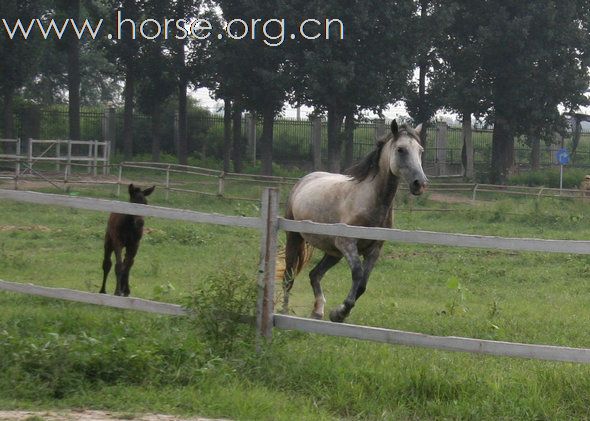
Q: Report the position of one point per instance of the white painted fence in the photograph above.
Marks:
(269, 224)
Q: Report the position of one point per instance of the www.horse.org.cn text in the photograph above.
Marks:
(272, 32)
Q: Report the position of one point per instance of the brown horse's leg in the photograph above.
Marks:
(347, 247)
(130, 252)
(106, 263)
(315, 277)
(118, 248)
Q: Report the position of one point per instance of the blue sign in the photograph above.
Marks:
(563, 156)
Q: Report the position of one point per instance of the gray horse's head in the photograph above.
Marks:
(405, 156)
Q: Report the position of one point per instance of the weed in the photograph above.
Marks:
(457, 298)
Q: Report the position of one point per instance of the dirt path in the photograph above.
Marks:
(89, 416)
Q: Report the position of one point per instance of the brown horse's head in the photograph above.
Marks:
(137, 195)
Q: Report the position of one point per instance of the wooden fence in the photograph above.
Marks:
(222, 179)
(269, 223)
(219, 182)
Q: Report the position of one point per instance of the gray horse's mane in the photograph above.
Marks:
(369, 165)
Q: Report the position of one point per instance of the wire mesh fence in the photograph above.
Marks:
(292, 138)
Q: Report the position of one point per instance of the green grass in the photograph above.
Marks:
(58, 355)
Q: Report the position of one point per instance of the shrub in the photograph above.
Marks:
(218, 309)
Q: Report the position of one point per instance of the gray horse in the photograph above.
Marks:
(363, 197)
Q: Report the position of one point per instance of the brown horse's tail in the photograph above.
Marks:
(293, 258)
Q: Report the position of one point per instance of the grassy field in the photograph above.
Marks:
(66, 355)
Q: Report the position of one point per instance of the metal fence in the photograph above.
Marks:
(292, 138)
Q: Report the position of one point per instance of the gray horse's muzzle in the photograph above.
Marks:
(417, 187)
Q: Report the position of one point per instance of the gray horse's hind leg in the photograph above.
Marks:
(315, 277)
(348, 248)
(360, 274)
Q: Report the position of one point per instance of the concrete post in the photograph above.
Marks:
(316, 142)
(441, 148)
(251, 133)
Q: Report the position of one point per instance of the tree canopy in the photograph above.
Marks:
(519, 65)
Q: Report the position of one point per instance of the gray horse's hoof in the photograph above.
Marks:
(316, 316)
(336, 316)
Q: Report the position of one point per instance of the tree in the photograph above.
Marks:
(251, 73)
(19, 56)
(156, 82)
(516, 62)
(70, 9)
(456, 77)
(366, 70)
(535, 56)
(421, 102)
(183, 71)
(124, 53)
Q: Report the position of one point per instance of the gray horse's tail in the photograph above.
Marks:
(294, 257)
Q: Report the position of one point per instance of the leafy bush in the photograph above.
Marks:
(219, 307)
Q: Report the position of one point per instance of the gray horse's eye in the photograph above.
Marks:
(401, 151)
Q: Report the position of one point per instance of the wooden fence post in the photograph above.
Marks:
(58, 155)
(168, 182)
(69, 162)
(17, 165)
(316, 142)
(119, 179)
(266, 271)
(221, 185)
(30, 154)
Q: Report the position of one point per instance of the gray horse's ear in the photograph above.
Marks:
(394, 128)
(418, 129)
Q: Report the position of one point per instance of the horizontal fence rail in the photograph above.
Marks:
(437, 238)
(126, 303)
(130, 208)
(445, 343)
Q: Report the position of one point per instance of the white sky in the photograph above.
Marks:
(394, 111)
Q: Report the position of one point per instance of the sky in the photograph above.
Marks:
(394, 111)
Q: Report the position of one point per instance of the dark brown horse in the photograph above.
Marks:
(363, 197)
(123, 232)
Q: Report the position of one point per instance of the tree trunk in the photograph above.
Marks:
(182, 123)
(334, 139)
(7, 113)
(74, 75)
(156, 118)
(502, 151)
(129, 95)
(227, 107)
(238, 141)
(468, 164)
(182, 107)
(266, 141)
(349, 139)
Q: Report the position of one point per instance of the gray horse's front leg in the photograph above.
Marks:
(348, 248)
